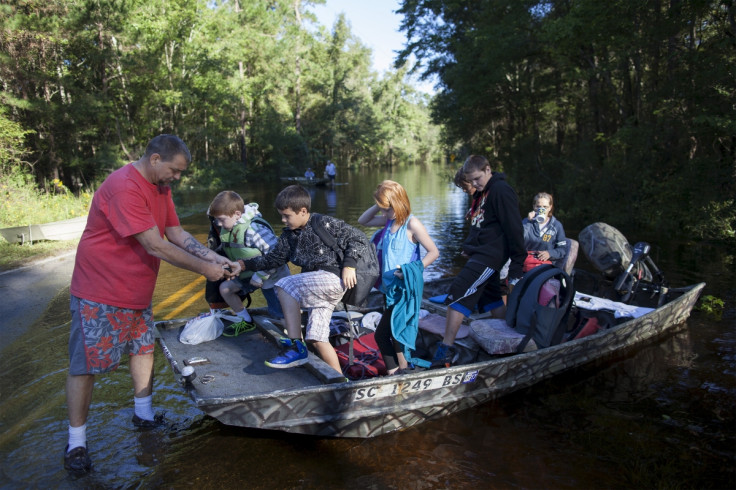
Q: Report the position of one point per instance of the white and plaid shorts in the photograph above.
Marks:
(318, 292)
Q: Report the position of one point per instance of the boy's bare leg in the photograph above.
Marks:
(452, 324)
(229, 292)
(292, 314)
(328, 354)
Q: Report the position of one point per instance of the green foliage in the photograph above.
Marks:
(221, 176)
(620, 108)
(21, 203)
(12, 150)
(714, 218)
(249, 85)
(711, 306)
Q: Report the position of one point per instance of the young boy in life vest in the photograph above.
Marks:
(244, 234)
(322, 282)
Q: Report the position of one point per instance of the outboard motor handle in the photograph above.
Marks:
(653, 267)
(641, 250)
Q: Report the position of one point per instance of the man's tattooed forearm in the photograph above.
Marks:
(195, 248)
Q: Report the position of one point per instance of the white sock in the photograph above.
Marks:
(244, 315)
(77, 436)
(144, 407)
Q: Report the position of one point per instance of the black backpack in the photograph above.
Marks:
(546, 324)
(367, 271)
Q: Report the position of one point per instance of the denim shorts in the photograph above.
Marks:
(100, 334)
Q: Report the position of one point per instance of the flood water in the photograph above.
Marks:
(659, 416)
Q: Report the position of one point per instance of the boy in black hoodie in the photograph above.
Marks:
(495, 235)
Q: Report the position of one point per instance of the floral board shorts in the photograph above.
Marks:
(100, 334)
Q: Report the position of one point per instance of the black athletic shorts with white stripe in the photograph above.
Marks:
(475, 286)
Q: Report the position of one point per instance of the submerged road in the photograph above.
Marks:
(27, 291)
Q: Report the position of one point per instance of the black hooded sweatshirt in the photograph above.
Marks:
(496, 233)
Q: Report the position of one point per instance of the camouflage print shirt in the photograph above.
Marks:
(306, 249)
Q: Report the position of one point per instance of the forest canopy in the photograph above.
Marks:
(253, 85)
(625, 110)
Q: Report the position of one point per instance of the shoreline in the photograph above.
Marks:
(15, 256)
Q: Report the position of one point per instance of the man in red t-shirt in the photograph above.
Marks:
(114, 276)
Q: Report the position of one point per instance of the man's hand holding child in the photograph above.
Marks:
(232, 270)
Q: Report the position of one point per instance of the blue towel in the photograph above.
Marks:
(406, 296)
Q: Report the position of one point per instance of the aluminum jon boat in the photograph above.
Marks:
(233, 385)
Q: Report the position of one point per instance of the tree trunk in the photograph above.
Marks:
(298, 71)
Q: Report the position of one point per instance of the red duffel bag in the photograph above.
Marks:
(367, 361)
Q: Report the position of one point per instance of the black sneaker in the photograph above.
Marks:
(235, 329)
(158, 421)
(400, 371)
(77, 460)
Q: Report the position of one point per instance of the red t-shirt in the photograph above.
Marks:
(111, 266)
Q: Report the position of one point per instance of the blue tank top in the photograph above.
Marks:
(396, 249)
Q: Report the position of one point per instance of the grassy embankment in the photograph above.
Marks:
(21, 203)
(24, 205)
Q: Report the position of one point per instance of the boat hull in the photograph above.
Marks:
(378, 406)
(317, 181)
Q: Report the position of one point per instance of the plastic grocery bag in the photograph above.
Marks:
(204, 327)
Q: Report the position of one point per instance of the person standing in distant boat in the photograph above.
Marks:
(330, 171)
(132, 225)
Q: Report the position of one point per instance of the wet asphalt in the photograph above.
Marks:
(26, 292)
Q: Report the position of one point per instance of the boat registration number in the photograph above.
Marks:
(411, 386)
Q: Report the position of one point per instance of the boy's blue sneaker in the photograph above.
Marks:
(444, 356)
(293, 353)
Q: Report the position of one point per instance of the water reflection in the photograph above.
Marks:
(331, 201)
(659, 417)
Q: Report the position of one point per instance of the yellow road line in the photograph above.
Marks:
(177, 295)
(184, 305)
